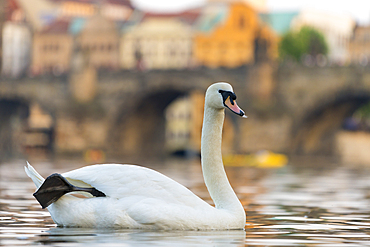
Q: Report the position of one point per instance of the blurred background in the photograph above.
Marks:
(101, 79)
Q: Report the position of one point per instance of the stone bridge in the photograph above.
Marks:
(295, 109)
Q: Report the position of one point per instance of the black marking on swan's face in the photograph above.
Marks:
(229, 98)
(225, 95)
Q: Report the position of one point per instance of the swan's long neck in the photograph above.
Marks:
(214, 174)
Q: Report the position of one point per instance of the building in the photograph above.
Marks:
(16, 39)
(337, 30)
(3, 5)
(266, 44)
(359, 46)
(178, 126)
(38, 136)
(39, 13)
(183, 128)
(16, 48)
(259, 5)
(52, 49)
(98, 40)
(76, 9)
(115, 10)
(229, 35)
(158, 42)
(280, 22)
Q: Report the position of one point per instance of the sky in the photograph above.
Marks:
(358, 9)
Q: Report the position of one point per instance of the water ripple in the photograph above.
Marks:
(289, 206)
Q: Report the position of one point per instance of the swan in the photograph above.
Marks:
(130, 196)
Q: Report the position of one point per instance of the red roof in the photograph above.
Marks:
(10, 7)
(57, 26)
(118, 2)
(188, 16)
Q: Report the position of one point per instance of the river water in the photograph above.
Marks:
(309, 202)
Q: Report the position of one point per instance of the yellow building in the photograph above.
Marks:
(178, 125)
(235, 38)
(359, 46)
(184, 119)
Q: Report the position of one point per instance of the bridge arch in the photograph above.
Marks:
(139, 128)
(314, 133)
(19, 135)
(13, 116)
(140, 123)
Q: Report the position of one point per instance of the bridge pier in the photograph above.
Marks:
(13, 116)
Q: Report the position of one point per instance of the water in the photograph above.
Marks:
(307, 203)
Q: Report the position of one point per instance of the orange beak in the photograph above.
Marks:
(233, 106)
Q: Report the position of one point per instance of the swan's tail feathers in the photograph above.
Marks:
(34, 175)
(55, 186)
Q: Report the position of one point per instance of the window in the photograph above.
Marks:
(241, 22)
(223, 47)
(240, 46)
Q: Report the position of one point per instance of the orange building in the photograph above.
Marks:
(234, 41)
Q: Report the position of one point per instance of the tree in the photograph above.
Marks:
(307, 41)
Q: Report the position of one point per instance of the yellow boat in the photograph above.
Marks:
(262, 159)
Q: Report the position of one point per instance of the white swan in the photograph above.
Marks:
(129, 196)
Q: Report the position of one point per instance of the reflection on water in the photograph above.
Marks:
(315, 204)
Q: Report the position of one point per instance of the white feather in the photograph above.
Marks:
(34, 175)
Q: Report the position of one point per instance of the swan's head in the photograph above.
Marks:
(221, 95)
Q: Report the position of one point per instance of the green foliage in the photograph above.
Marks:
(363, 112)
(306, 41)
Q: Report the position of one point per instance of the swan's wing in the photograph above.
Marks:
(138, 183)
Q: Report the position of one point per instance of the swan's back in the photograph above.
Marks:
(124, 181)
(136, 197)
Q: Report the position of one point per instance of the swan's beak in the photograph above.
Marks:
(233, 106)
